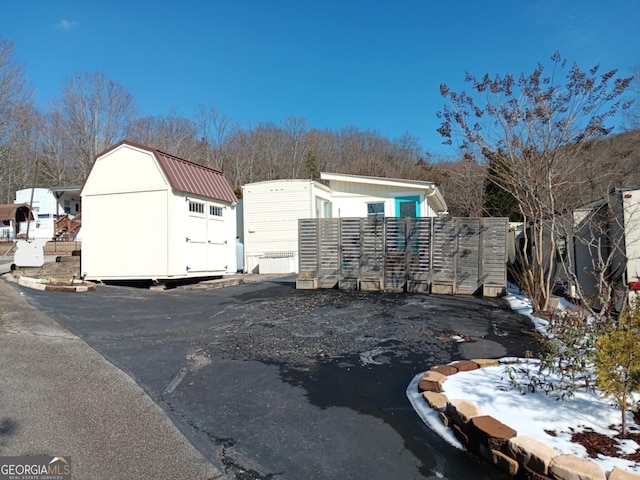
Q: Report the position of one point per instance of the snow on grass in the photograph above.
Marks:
(533, 414)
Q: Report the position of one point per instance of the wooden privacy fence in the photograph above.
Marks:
(437, 255)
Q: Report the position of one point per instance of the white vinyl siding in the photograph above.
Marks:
(271, 213)
(116, 254)
(352, 199)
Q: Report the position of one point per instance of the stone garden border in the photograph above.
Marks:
(522, 457)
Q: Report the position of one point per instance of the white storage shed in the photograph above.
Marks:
(151, 215)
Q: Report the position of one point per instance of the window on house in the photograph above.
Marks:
(196, 207)
(67, 206)
(375, 209)
(215, 211)
(323, 208)
(328, 210)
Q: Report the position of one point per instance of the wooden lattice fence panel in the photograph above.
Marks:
(444, 249)
(419, 246)
(467, 256)
(441, 255)
(494, 255)
(350, 252)
(372, 253)
(395, 276)
(329, 252)
(308, 248)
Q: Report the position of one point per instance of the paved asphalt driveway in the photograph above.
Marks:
(272, 382)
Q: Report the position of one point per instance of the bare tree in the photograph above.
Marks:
(632, 114)
(324, 146)
(171, 134)
(466, 188)
(461, 183)
(294, 130)
(535, 128)
(214, 130)
(57, 168)
(94, 112)
(240, 159)
(366, 152)
(16, 122)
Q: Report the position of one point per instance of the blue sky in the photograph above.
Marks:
(370, 64)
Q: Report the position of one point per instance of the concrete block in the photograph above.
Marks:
(462, 411)
(618, 474)
(435, 400)
(531, 452)
(445, 370)
(504, 463)
(431, 382)
(491, 432)
(486, 362)
(570, 467)
(465, 365)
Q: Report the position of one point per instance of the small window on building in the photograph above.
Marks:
(77, 207)
(196, 207)
(323, 208)
(215, 211)
(67, 207)
(375, 209)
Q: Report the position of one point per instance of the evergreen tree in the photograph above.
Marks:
(617, 360)
(311, 165)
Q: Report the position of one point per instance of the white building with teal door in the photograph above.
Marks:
(362, 196)
(271, 211)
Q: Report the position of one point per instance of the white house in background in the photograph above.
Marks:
(360, 196)
(272, 210)
(49, 204)
(12, 216)
(151, 215)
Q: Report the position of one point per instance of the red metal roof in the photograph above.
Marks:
(188, 177)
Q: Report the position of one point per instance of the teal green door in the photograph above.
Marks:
(408, 206)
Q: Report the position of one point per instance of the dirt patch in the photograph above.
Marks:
(596, 443)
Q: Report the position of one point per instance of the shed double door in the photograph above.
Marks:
(205, 252)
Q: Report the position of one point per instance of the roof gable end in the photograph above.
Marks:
(185, 176)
